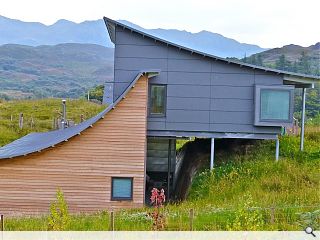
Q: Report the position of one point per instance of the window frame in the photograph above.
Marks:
(257, 106)
(156, 115)
(121, 198)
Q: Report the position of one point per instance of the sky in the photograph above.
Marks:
(269, 24)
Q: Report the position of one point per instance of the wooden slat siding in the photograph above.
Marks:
(83, 166)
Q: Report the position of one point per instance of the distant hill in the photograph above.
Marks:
(64, 70)
(63, 31)
(290, 58)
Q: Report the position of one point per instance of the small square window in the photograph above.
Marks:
(121, 188)
(273, 105)
(157, 102)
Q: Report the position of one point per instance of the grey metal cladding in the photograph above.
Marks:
(185, 126)
(190, 65)
(143, 51)
(136, 64)
(188, 78)
(226, 79)
(156, 125)
(231, 117)
(184, 103)
(127, 37)
(203, 94)
(232, 128)
(268, 79)
(188, 91)
(232, 92)
(224, 104)
(224, 67)
(191, 116)
(121, 27)
(175, 53)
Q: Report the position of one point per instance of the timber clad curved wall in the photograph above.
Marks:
(83, 166)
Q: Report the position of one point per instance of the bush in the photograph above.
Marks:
(247, 217)
(59, 219)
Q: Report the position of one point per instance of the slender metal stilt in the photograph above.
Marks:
(303, 113)
(277, 149)
(212, 154)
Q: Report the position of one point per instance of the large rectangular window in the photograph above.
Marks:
(273, 105)
(157, 102)
(121, 188)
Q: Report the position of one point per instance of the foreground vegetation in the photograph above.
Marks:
(244, 192)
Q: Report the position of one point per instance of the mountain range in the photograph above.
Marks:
(63, 70)
(14, 31)
(66, 59)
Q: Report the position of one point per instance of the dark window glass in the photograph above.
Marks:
(121, 188)
(158, 100)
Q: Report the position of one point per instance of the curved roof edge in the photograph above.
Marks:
(36, 142)
(111, 24)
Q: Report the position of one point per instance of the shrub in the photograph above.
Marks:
(59, 218)
(247, 216)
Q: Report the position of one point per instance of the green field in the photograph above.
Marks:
(42, 112)
(244, 192)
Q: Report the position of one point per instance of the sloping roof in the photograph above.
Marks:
(290, 76)
(35, 142)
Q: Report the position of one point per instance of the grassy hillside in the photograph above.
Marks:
(64, 70)
(243, 192)
(291, 57)
(42, 112)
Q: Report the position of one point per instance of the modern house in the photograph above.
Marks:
(161, 92)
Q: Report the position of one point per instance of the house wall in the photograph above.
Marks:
(203, 95)
(83, 166)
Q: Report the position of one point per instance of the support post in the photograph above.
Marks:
(169, 169)
(1, 223)
(21, 120)
(277, 149)
(191, 216)
(303, 113)
(111, 221)
(212, 154)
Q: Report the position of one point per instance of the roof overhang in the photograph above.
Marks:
(299, 81)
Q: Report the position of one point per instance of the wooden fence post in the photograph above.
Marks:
(191, 215)
(21, 120)
(1, 223)
(272, 215)
(32, 123)
(111, 221)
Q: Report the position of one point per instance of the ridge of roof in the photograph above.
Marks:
(110, 24)
(36, 142)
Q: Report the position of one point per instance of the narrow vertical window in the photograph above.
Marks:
(158, 94)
